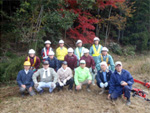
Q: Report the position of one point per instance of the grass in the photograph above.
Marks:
(80, 102)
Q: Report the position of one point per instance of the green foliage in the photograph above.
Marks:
(115, 48)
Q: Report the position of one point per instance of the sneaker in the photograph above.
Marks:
(41, 92)
(102, 91)
(22, 95)
(88, 89)
(128, 103)
(51, 90)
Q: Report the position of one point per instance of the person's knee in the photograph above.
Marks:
(126, 88)
(114, 95)
(71, 80)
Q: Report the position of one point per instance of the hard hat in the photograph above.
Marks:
(27, 63)
(31, 51)
(96, 39)
(82, 62)
(86, 51)
(64, 62)
(105, 49)
(47, 42)
(70, 50)
(51, 53)
(61, 42)
(79, 41)
(118, 63)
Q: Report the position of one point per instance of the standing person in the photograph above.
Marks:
(53, 62)
(65, 77)
(103, 77)
(95, 49)
(34, 60)
(107, 58)
(90, 64)
(82, 76)
(79, 51)
(48, 78)
(71, 59)
(24, 79)
(121, 82)
(46, 49)
(61, 52)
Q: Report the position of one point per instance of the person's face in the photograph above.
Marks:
(80, 44)
(31, 55)
(61, 45)
(118, 68)
(96, 42)
(45, 66)
(70, 53)
(82, 65)
(51, 56)
(64, 66)
(26, 67)
(104, 53)
(48, 45)
(103, 67)
(86, 54)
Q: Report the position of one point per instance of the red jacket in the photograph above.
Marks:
(71, 61)
(32, 60)
(89, 61)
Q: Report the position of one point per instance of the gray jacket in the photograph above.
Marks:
(51, 78)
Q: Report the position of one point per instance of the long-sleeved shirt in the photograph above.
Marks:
(82, 74)
(64, 74)
(53, 63)
(25, 79)
(35, 61)
(71, 61)
(115, 81)
(61, 53)
(89, 61)
(52, 77)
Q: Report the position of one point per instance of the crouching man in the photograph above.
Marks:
(82, 76)
(48, 78)
(103, 77)
(121, 82)
(24, 79)
(65, 77)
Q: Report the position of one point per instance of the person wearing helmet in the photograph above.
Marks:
(79, 51)
(95, 49)
(53, 62)
(34, 60)
(103, 77)
(46, 49)
(90, 64)
(61, 52)
(82, 76)
(107, 58)
(24, 79)
(71, 59)
(48, 78)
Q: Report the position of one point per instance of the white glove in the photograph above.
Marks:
(64, 82)
(61, 84)
(102, 85)
(106, 84)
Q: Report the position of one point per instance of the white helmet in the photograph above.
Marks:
(31, 51)
(105, 49)
(86, 51)
(96, 39)
(70, 50)
(61, 42)
(51, 53)
(47, 42)
(82, 62)
(79, 41)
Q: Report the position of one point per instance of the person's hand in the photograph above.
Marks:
(102, 85)
(108, 97)
(61, 84)
(64, 82)
(123, 83)
(78, 87)
(106, 84)
(30, 89)
(23, 86)
(93, 71)
(89, 82)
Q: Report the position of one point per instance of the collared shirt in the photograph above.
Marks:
(26, 71)
(104, 75)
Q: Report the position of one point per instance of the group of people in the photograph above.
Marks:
(80, 66)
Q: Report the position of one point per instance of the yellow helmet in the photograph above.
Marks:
(27, 63)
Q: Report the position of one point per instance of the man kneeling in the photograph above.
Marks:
(48, 78)
(82, 76)
(65, 76)
(103, 77)
(121, 82)
(24, 79)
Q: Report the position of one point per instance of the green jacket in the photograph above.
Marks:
(81, 75)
